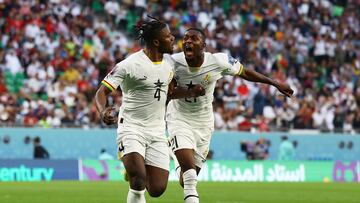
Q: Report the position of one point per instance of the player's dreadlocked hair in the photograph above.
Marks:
(149, 29)
(198, 30)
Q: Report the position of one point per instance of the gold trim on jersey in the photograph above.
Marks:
(171, 76)
(241, 70)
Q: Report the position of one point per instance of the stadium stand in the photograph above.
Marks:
(53, 54)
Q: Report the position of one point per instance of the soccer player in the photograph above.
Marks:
(144, 79)
(190, 121)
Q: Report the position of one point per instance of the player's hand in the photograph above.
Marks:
(198, 90)
(285, 89)
(109, 115)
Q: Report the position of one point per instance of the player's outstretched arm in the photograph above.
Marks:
(101, 101)
(254, 76)
(178, 92)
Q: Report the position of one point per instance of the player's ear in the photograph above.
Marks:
(204, 45)
(156, 42)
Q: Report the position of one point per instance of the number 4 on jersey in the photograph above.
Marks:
(158, 86)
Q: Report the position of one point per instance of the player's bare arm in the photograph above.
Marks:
(176, 92)
(101, 101)
(254, 76)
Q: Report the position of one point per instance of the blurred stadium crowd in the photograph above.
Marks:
(54, 53)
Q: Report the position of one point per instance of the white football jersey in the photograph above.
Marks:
(199, 111)
(144, 86)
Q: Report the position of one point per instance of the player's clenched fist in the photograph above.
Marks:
(109, 116)
(285, 89)
(197, 91)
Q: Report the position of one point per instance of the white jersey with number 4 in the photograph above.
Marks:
(198, 112)
(144, 86)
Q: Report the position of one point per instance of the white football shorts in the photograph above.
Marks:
(134, 139)
(184, 137)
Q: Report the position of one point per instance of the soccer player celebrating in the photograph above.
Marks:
(190, 121)
(144, 79)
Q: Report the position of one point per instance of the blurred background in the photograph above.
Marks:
(53, 54)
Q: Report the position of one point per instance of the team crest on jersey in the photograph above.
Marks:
(232, 60)
(206, 80)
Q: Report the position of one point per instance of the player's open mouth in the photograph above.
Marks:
(188, 50)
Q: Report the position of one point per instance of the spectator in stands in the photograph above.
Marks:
(356, 121)
(314, 45)
(39, 151)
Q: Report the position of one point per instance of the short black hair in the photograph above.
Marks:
(148, 30)
(198, 30)
(37, 139)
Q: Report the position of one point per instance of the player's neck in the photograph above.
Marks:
(196, 61)
(153, 54)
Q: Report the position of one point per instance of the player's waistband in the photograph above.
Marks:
(157, 125)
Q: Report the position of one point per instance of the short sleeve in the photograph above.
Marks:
(115, 77)
(228, 64)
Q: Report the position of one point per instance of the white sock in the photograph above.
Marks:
(190, 181)
(135, 196)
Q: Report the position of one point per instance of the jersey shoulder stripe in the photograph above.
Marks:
(107, 84)
(241, 70)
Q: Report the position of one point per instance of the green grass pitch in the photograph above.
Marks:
(115, 192)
